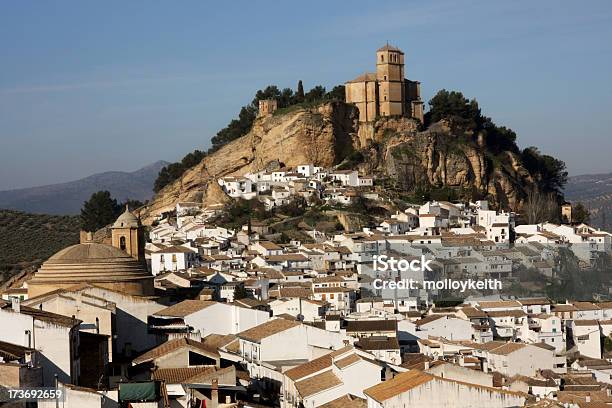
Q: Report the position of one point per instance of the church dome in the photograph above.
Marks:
(92, 263)
(88, 252)
(126, 220)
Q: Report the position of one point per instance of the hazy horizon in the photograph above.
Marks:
(89, 88)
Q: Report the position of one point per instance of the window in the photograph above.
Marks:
(382, 58)
(331, 295)
(122, 243)
(173, 257)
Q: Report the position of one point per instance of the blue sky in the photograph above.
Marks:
(94, 86)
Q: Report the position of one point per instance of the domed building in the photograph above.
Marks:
(119, 266)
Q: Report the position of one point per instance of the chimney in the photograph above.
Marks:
(16, 303)
(214, 394)
(426, 365)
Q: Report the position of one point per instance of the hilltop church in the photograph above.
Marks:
(386, 92)
(115, 262)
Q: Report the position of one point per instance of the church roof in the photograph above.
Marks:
(92, 263)
(88, 252)
(388, 47)
(368, 76)
(126, 220)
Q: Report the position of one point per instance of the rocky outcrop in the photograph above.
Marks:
(445, 157)
(323, 135)
(441, 156)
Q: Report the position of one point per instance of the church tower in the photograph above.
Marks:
(390, 78)
(127, 235)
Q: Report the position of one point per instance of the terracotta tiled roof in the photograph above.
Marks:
(586, 322)
(429, 319)
(180, 375)
(347, 361)
(397, 385)
(473, 313)
(44, 316)
(506, 313)
(507, 348)
(258, 333)
(315, 365)
(218, 340)
(185, 308)
(408, 380)
(378, 343)
(563, 308)
(318, 383)
(346, 401)
(10, 351)
(498, 304)
(371, 325)
(294, 292)
(534, 301)
(233, 347)
(490, 345)
(585, 306)
(368, 76)
(173, 345)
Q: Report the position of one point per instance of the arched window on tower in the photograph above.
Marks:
(122, 243)
(382, 58)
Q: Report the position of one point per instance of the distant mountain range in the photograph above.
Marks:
(595, 192)
(67, 198)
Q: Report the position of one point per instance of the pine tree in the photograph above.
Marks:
(299, 95)
(100, 210)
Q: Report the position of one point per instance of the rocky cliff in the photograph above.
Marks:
(393, 148)
(323, 135)
(442, 157)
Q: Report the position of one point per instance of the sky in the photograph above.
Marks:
(87, 87)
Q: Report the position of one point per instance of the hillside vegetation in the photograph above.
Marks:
(29, 239)
(240, 126)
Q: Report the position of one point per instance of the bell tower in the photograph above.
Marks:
(127, 235)
(390, 77)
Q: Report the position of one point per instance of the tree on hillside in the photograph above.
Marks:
(336, 94)
(241, 125)
(466, 113)
(131, 204)
(541, 207)
(454, 106)
(299, 95)
(550, 173)
(100, 210)
(315, 94)
(580, 214)
(174, 171)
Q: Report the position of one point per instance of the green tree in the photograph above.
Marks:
(580, 214)
(131, 204)
(315, 94)
(100, 210)
(299, 95)
(240, 292)
(550, 173)
(174, 171)
(454, 106)
(336, 94)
